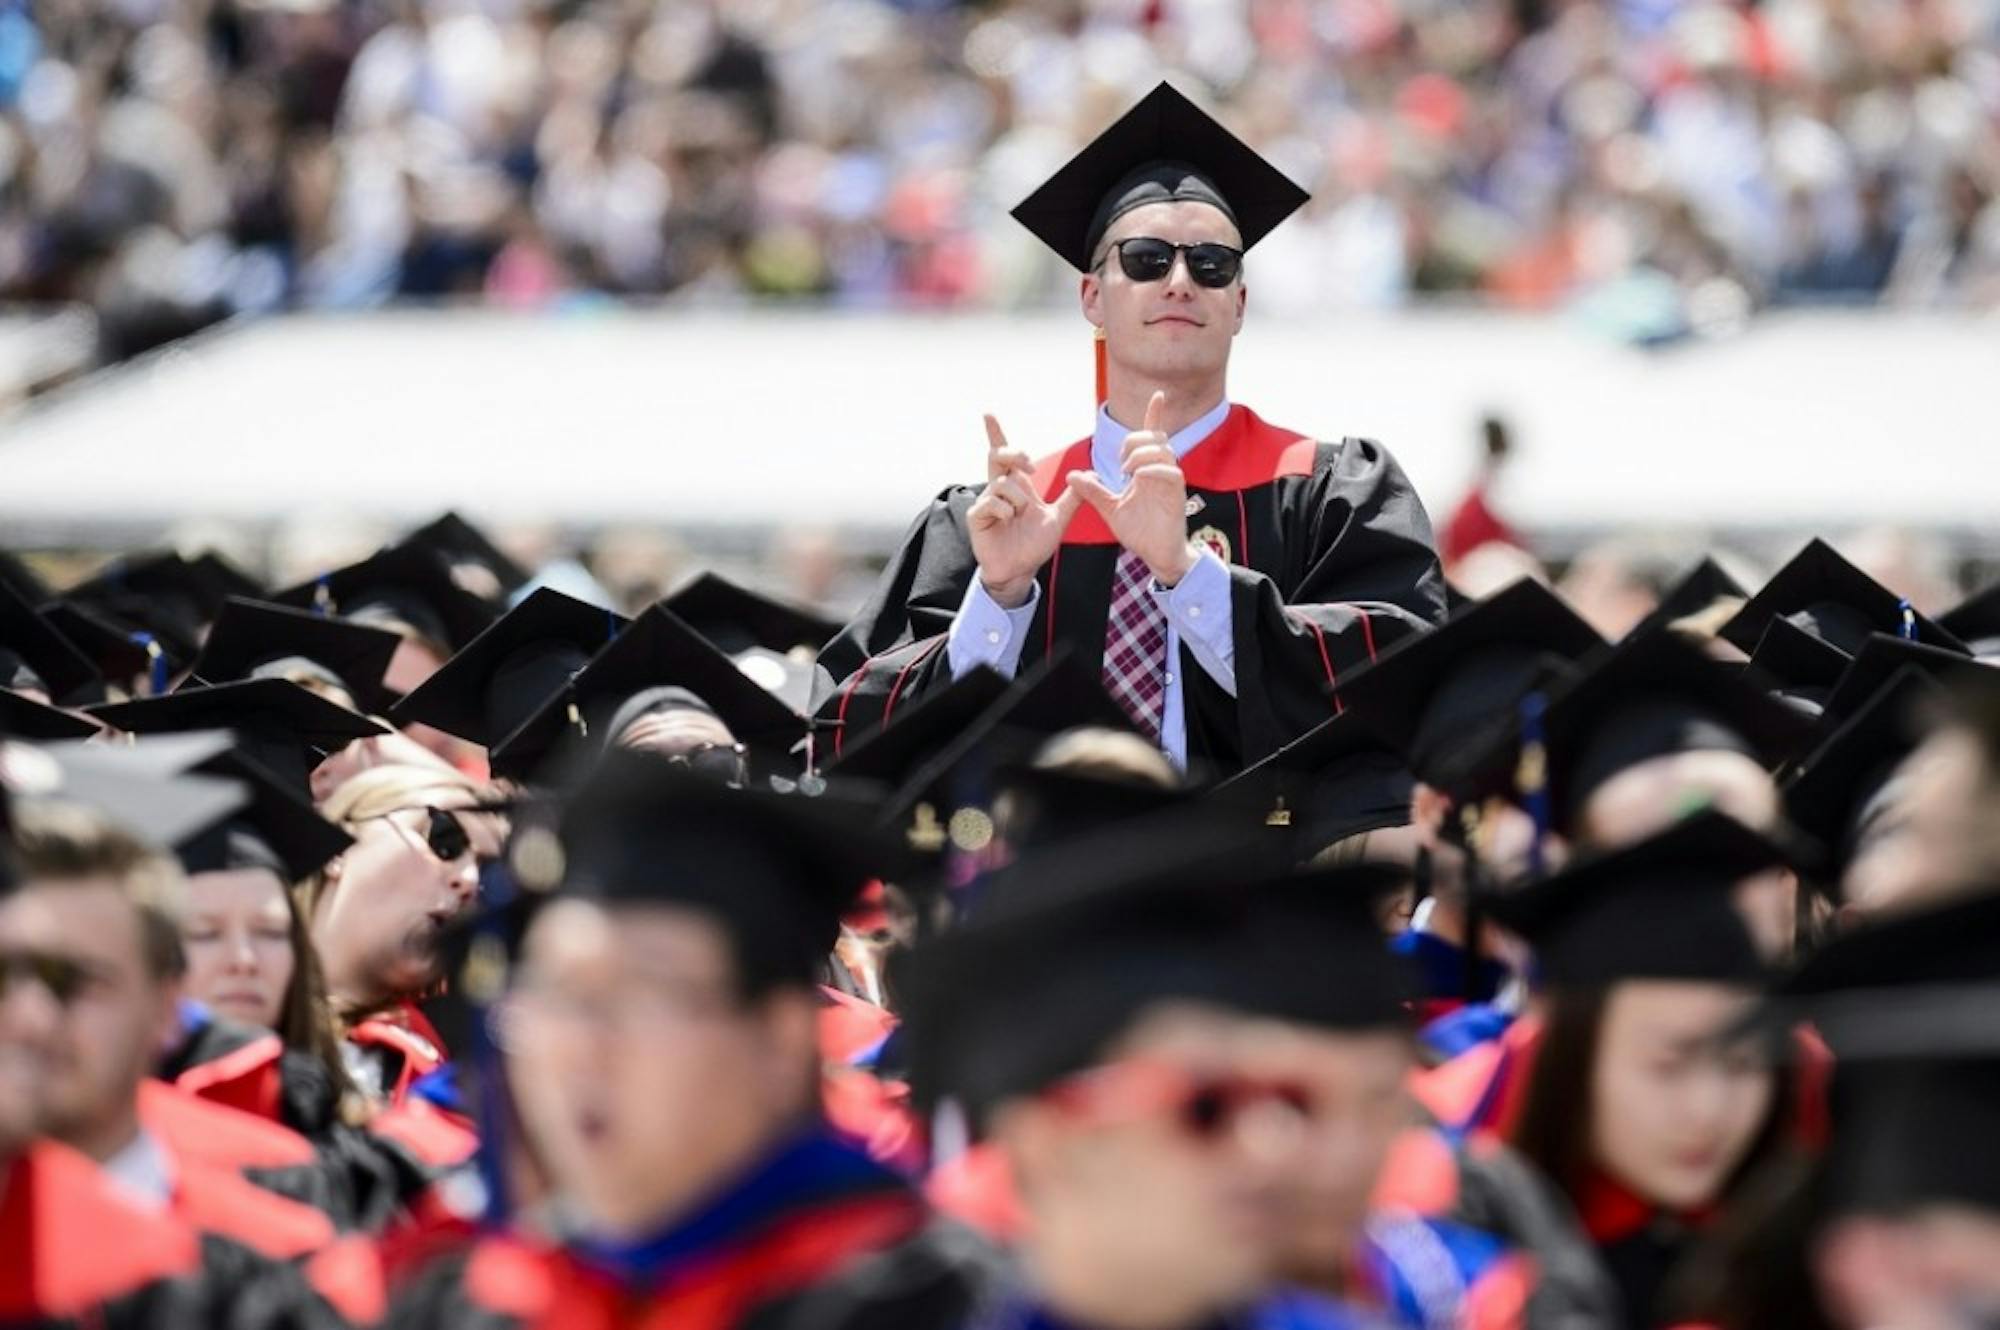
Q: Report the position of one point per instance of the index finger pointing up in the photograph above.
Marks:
(1156, 412)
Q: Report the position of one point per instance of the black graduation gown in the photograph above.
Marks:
(78, 1253)
(359, 1180)
(1330, 561)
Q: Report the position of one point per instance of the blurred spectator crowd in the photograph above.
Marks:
(1657, 165)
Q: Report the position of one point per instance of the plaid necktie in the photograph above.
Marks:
(1135, 647)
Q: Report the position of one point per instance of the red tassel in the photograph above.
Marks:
(1103, 387)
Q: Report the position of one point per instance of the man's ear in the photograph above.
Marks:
(1242, 303)
(1090, 294)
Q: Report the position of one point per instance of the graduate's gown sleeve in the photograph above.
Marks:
(894, 647)
(1357, 572)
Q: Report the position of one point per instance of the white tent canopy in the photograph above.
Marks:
(767, 418)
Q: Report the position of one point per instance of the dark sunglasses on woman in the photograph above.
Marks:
(445, 835)
(1150, 259)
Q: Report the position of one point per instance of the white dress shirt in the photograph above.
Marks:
(1197, 608)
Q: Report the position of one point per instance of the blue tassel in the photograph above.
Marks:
(323, 597)
(1531, 777)
(156, 662)
(1908, 629)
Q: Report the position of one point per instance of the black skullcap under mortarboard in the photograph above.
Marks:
(657, 650)
(1833, 795)
(277, 830)
(458, 541)
(1795, 666)
(283, 727)
(1334, 781)
(1828, 596)
(776, 870)
(1165, 149)
(254, 639)
(25, 718)
(1976, 621)
(501, 678)
(736, 618)
(34, 654)
(1880, 658)
(1653, 696)
(1447, 699)
(409, 584)
(1694, 591)
(1659, 909)
(160, 808)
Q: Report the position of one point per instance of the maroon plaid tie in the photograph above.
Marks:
(1135, 646)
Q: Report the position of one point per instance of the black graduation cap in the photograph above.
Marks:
(1694, 591)
(1055, 694)
(172, 597)
(777, 870)
(161, 808)
(1334, 781)
(736, 618)
(1164, 149)
(283, 727)
(1047, 805)
(1067, 946)
(1909, 1004)
(276, 830)
(1976, 621)
(406, 583)
(1659, 909)
(1649, 697)
(501, 678)
(253, 639)
(1824, 594)
(917, 728)
(26, 583)
(1796, 666)
(1446, 700)
(112, 644)
(658, 651)
(25, 718)
(458, 541)
(1832, 794)
(1881, 657)
(33, 654)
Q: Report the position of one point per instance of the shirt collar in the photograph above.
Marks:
(1109, 440)
(143, 1172)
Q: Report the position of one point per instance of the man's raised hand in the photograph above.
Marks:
(1014, 532)
(1150, 517)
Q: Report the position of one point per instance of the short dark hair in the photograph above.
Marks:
(58, 843)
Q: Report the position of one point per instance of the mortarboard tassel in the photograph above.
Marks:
(1103, 373)
(323, 597)
(1907, 630)
(1531, 777)
(1475, 901)
(156, 662)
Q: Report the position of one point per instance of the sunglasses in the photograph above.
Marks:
(1150, 259)
(727, 763)
(61, 976)
(445, 835)
(1205, 1107)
